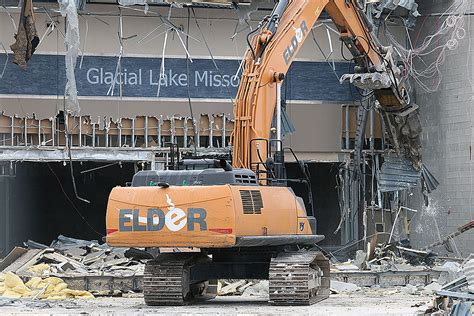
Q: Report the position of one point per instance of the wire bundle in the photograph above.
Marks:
(446, 37)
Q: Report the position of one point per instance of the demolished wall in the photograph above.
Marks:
(142, 37)
(136, 132)
(447, 119)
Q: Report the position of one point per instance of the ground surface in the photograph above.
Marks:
(378, 302)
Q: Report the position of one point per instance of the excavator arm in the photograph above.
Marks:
(273, 48)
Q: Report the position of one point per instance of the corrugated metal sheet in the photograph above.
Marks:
(396, 174)
(468, 270)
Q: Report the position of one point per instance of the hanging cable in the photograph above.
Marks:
(187, 85)
(68, 146)
(324, 55)
(249, 44)
(210, 53)
(68, 141)
(72, 203)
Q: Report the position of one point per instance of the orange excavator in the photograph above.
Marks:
(243, 219)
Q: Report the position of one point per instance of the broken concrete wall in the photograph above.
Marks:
(447, 118)
(137, 132)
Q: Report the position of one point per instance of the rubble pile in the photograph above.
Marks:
(456, 294)
(47, 270)
(397, 268)
(58, 271)
(393, 257)
(70, 256)
(67, 260)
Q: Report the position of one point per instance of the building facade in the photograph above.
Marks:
(136, 89)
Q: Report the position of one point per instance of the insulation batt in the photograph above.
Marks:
(72, 41)
(51, 288)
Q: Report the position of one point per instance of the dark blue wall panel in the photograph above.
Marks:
(46, 76)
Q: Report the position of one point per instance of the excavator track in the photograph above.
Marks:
(299, 278)
(166, 280)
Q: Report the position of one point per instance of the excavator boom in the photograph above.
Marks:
(271, 53)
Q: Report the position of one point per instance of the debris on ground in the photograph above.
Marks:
(59, 271)
(70, 256)
(230, 288)
(259, 289)
(343, 287)
(432, 288)
(24, 303)
(361, 259)
(386, 258)
(409, 289)
(345, 266)
(89, 265)
(449, 272)
(395, 267)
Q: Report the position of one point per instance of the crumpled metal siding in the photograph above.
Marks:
(410, 5)
(397, 174)
(407, 4)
